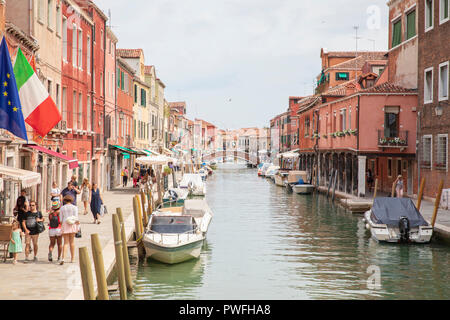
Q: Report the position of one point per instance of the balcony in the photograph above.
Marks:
(399, 142)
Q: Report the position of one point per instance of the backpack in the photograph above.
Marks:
(54, 221)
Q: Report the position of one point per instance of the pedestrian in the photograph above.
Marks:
(369, 179)
(96, 203)
(30, 227)
(54, 230)
(69, 226)
(85, 189)
(399, 186)
(74, 182)
(23, 193)
(71, 191)
(21, 207)
(15, 244)
(135, 176)
(125, 174)
(55, 193)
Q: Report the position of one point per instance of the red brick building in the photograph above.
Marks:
(433, 82)
(77, 27)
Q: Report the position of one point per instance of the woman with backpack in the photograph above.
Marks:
(54, 230)
(32, 230)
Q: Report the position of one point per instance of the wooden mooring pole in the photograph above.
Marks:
(420, 195)
(437, 203)
(334, 184)
(102, 285)
(118, 243)
(375, 191)
(137, 224)
(86, 274)
(126, 257)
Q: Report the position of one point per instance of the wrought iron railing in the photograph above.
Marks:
(397, 141)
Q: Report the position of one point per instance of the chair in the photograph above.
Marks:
(5, 238)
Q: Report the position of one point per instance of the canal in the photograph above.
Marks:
(264, 243)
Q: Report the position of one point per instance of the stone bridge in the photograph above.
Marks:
(236, 154)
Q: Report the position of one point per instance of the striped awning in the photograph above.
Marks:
(73, 163)
(26, 178)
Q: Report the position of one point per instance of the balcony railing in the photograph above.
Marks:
(400, 141)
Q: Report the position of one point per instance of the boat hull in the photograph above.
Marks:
(173, 255)
(279, 181)
(303, 189)
(384, 233)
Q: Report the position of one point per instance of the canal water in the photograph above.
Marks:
(264, 243)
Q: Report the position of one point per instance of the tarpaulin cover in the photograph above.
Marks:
(388, 211)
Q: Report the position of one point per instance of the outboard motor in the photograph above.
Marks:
(173, 195)
(404, 227)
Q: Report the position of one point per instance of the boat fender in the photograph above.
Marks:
(367, 226)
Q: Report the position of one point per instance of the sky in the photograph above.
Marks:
(236, 62)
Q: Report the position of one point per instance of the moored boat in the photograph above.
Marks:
(397, 220)
(176, 234)
(194, 183)
(281, 178)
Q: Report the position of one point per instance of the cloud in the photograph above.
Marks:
(257, 52)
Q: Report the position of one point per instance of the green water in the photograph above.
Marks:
(264, 243)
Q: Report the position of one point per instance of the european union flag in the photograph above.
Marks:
(11, 116)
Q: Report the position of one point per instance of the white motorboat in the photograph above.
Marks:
(194, 183)
(272, 171)
(175, 196)
(176, 234)
(262, 170)
(281, 178)
(303, 188)
(397, 220)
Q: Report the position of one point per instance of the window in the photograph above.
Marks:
(101, 39)
(88, 113)
(80, 111)
(427, 148)
(349, 118)
(443, 81)
(64, 104)
(399, 167)
(74, 110)
(391, 122)
(49, 13)
(41, 10)
(307, 124)
(64, 39)
(443, 11)
(429, 13)
(57, 98)
(442, 152)
(428, 86)
(397, 33)
(49, 88)
(342, 76)
(411, 24)
(143, 98)
(343, 119)
(88, 54)
(101, 83)
(74, 45)
(58, 20)
(80, 49)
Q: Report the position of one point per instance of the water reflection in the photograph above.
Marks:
(265, 243)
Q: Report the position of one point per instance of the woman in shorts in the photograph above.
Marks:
(54, 230)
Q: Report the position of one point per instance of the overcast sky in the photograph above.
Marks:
(236, 62)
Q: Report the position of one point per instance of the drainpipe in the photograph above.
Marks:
(92, 91)
(417, 151)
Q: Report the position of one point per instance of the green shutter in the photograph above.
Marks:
(135, 93)
(122, 76)
(397, 34)
(118, 78)
(411, 25)
(446, 9)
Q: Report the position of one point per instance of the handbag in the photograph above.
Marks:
(40, 227)
(71, 220)
(103, 210)
(78, 234)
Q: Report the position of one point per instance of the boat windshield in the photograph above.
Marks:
(173, 224)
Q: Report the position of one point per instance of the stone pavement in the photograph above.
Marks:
(44, 280)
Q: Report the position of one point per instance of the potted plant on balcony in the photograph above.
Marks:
(334, 135)
(347, 132)
(354, 132)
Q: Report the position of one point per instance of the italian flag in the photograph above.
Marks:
(38, 108)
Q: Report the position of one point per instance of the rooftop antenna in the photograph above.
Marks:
(356, 52)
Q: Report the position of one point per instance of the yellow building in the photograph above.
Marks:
(141, 95)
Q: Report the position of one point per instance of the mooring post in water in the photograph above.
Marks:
(393, 189)
(102, 285)
(137, 224)
(335, 183)
(119, 257)
(420, 196)
(126, 258)
(144, 212)
(330, 182)
(141, 222)
(86, 274)
(376, 188)
(437, 203)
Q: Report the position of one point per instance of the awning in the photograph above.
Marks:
(290, 154)
(73, 163)
(155, 160)
(152, 152)
(128, 150)
(25, 177)
(168, 152)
